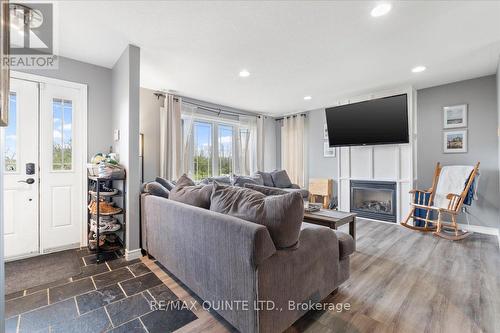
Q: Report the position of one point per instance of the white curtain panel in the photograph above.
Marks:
(171, 138)
(260, 142)
(188, 117)
(247, 149)
(292, 147)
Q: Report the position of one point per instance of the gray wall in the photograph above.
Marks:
(150, 126)
(98, 80)
(481, 96)
(318, 165)
(125, 117)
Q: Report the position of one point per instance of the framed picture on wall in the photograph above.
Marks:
(455, 116)
(327, 150)
(455, 142)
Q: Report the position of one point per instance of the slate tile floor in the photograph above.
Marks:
(113, 297)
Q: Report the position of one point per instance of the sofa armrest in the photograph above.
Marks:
(295, 186)
(346, 244)
(308, 273)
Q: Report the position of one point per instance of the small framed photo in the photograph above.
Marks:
(455, 116)
(455, 141)
(327, 150)
(325, 132)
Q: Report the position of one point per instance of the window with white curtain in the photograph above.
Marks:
(216, 146)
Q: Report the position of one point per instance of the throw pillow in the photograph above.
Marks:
(239, 202)
(165, 183)
(266, 177)
(281, 214)
(266, 190)
(157, 189)
(281, 179)
(243, 180)
(187, 192)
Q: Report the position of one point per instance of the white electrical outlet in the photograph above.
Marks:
(116, 135)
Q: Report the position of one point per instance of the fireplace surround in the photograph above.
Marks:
(374, 199)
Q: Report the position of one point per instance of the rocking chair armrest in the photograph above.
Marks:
(449, 196)
(425, 206)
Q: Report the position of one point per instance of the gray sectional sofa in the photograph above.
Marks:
(227, 260)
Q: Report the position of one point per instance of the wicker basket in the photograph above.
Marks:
(93, 169)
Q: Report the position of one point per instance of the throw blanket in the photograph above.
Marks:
(451, 180)
(472, 194)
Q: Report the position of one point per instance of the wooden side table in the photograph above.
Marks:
(322, 188)
(333, 219)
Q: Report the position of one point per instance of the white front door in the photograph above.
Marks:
(61, 165)
(44, 167)
(20, 195)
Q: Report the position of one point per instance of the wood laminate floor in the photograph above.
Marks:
(401, 281)
(407, 281)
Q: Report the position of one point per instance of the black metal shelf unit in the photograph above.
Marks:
(96, 195)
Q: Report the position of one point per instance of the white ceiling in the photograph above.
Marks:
(328, 50)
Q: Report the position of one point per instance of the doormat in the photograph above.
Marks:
(36, 271)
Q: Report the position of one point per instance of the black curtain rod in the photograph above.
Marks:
(295, 115)
(219, 111)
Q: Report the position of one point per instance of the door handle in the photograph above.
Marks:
(27, 181)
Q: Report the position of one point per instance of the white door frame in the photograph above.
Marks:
(83, 89)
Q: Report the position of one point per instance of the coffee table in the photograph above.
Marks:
(333, 219)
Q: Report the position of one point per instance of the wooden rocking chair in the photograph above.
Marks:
(445, 197)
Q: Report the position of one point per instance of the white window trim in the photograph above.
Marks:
(215, 122)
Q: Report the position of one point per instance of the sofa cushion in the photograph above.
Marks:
(220, 179)
(155, 188)
(281, 214)
(346, 244)
(281, 179)
(266, 190)
(303, 192)
(187, 192)
(242, 180)
(266, 178)
(239, 202)
(165, 183)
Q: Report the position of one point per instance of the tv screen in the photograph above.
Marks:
(375, 122)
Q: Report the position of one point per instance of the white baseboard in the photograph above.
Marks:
(480, 229)
(470, 227)
(134, 254)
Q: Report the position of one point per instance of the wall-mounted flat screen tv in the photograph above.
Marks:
(375, 122)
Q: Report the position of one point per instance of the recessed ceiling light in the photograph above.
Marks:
(307, 98)
(244, 73)
(381, 9)
(418, 69)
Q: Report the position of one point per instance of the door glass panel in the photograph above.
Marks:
(62, 111)
(225, 150)
(11, 139)
(202, 159)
